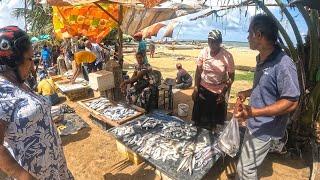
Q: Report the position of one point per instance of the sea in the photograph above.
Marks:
(234, 44)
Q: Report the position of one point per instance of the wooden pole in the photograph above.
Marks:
(120, 36)
(25, 15)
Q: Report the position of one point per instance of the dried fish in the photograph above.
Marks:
(111, 111)
(168, 141)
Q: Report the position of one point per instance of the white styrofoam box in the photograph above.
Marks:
(101, 80)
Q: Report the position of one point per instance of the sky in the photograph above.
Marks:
(234, 24)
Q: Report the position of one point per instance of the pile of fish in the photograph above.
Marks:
(168, 141)
(115, 112)
(99, 104)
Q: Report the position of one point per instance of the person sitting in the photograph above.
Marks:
(80, 57)
(140, 84)
(183, 80)
(47, 89)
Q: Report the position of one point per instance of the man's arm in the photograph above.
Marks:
(179, 78)
(197, 78)
(7, 163)
(280, 107)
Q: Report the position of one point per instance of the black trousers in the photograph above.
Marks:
(207, 113)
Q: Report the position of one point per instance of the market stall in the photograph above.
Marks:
(78, 90)
(110, 112)
(175, 147)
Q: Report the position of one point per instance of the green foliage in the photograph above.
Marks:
(38, 18)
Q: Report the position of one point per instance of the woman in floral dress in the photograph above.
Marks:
(30, 147)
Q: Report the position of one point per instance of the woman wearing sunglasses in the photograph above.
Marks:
(30, 147)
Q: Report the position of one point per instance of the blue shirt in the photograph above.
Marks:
(276, 78)
(143, 49)
(45, 54)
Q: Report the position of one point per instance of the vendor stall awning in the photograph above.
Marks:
(146, 3)
(136, 19)
(89, 21)
(152, 30)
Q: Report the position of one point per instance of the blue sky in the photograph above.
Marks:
(234, 24)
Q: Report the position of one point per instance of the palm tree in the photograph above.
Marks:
(37, 17)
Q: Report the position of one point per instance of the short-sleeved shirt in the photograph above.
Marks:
(97, 50)
(31, 136)
(45, 54)
(46, 87)
(215, 69)
(183, 76)
(276, 78)
(84, 57)
(142, 48)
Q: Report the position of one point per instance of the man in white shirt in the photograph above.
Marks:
(97, 50)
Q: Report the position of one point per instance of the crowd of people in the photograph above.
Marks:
(30, 146)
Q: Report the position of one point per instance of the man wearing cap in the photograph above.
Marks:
(214, 77)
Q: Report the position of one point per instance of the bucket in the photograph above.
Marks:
(183, 110)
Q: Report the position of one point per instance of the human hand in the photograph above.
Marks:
(221, 98)
(243, 112)
(242, 95)
(194, 94)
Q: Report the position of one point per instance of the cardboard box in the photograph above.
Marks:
(101, 80)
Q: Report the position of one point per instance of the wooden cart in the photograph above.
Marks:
(105, 119)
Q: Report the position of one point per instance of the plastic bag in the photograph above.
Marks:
(229, 140)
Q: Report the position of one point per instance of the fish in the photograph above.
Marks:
(168, 141)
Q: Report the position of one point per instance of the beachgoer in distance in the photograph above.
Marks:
(183, 79)
(46, 57)
(142, 47)
(152, 48)
(275, 93)
(30, 146)
(214, 77)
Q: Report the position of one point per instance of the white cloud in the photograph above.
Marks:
(6, 18)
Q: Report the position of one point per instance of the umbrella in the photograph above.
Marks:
(34, 39)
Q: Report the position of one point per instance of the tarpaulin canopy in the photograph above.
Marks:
(89, 21)
(152, 30)
(136, 18)
(170, 28)
(146, 3)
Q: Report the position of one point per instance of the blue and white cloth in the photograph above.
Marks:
(31, 136)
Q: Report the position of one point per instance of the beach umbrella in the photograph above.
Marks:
(34, 39)
(44, 37)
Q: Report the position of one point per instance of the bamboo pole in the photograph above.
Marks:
(120, 36)
(300, 65)
(314, 46)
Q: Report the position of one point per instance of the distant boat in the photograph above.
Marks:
(179, 47)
